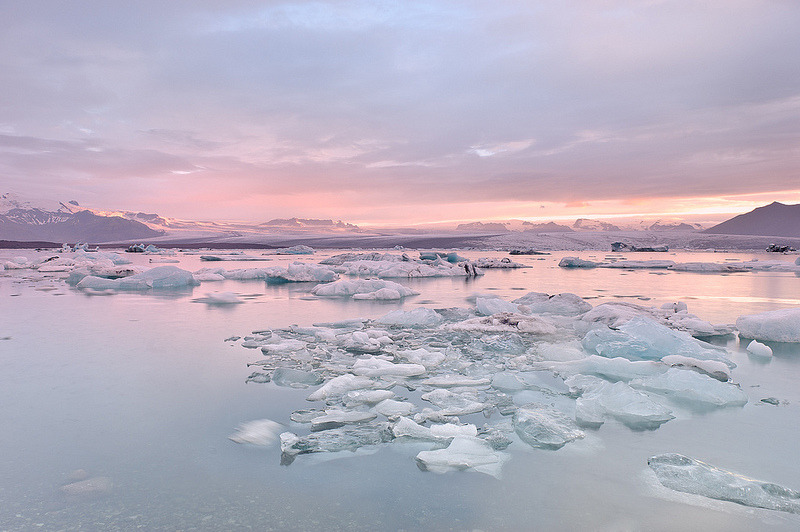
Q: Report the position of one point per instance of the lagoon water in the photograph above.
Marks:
(145, 388)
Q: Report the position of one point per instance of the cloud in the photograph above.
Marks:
(560, 102)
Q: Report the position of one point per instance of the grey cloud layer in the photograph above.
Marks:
(547, 101)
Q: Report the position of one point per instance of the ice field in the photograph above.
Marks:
(368, 390)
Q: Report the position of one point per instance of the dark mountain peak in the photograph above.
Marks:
(775, 219)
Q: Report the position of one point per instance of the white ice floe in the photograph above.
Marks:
(506, 322)
(425, 357)
(465, 453)
(758, 349)
(393, 409)
(692, 388)
(673, 315)
(712, 368)
(419, 317)
(565, 304)
(377, 367)
(349, 288)
(257, 432)
(340, 385)
(335, 418)
(454, 404)
(689, 475)
(405, 427)
(772, 326)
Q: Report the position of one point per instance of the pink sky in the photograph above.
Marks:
(383, 113)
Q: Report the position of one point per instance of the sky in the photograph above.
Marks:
(399, 113)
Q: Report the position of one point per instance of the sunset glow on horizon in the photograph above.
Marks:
(385, 114)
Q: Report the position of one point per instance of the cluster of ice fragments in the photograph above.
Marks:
(754, 265)
(469, 382)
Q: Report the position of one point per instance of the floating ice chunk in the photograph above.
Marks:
(454, 404)
(452, 381)
(492, 305)
(419, 317)
(712, 368)
(506, 322)
(565, 304)
(205, 275)
(347, 288)
(642, 338)
(383, 294)
(377, 367)
(575, 262)
(675, 306)
(505, 262)
(543, 381)
(160, 277)
(759, 349)
(429, 359)
(231, 257)
(772, 326)
(407, 428)
(615, 369)
(338, 260)
(348, 438)
(600, 399)
(639, 264)
(451, 430)
(692, 387)
(544, 427)
(561, 352)
(221, 298)
(616, 314)
(689, 475)
(257, 432)
(335, 418)
(366, 397)
(395, 269)
(394, 409)
(340, 385)
(281, 346)
(295, 378)
(295, 250)
(163, 260)
(465, 453)
(299, 272)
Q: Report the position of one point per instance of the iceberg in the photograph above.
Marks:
(429, 359)
(575, 262)
(346, 288)
(393, 409)
(544, 427)
(758, 349)
(220, 298)
(689, 475)
(772, 326)
(600, 399)
(160, 277)
(565, 304)
(693, 388)
(299, 249)
(465, 453)
(642, 338)
(295, 378)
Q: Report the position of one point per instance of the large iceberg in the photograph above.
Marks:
(565, 304)
(693, 388)
(689, 475)
(773, 326)
(160, 277)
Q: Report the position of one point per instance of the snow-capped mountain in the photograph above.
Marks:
(26, 220)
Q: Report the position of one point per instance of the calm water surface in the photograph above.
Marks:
(144, 389)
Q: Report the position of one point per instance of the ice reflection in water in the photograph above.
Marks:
(141, 389)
